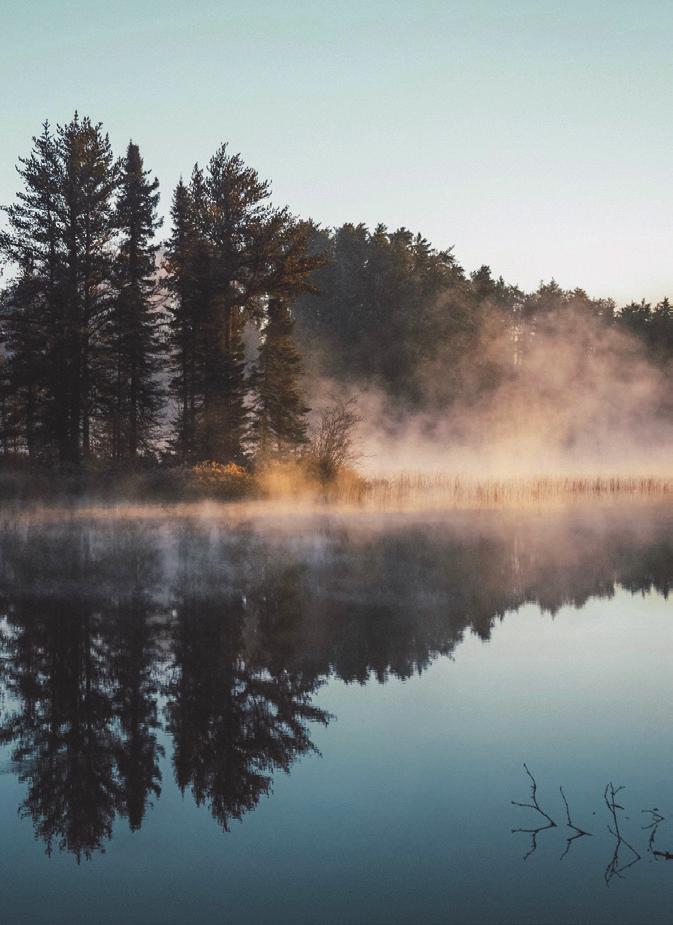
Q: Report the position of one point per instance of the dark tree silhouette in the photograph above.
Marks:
(234, 724)
(80, 318)
(62, 733)
(133, 329)
(231, 255)
(60, 238)
(33, 305)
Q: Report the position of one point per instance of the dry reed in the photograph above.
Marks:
(408, 490)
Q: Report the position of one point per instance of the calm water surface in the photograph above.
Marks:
(326, 719)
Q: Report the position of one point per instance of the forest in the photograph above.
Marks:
(242, 335)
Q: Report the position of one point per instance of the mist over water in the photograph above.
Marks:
(336, 567)
(186, 688)
(570, 396)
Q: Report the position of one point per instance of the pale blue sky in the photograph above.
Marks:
(534, 136)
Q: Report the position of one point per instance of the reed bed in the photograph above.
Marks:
(409, 490)
(402, 492)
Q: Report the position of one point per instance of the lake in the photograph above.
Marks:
(247, 717)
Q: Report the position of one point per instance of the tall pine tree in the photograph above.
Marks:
(87, 224)
(134, 325)
(59, 238)
(189, 280)
(181, 321)
(34, 401)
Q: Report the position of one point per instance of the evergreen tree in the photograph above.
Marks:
(24, 383)
(32, 308)
(383, 309)
(230, 253)
(189, 269)
(182, 320)
(87, 222)
(661, 328)
(237, 229)
(59, 238)
(279, 413)
(133, 329)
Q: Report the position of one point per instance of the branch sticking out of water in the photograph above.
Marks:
(534, 804)
(550, 824)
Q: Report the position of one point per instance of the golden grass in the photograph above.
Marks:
(281, 499)
(408, 490)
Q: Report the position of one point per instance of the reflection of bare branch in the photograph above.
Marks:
(656, 818)
(579, 833)
(619, 862)
(536, 806)
(615, 868)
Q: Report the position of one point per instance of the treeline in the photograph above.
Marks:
(118, 349)
(388, 309)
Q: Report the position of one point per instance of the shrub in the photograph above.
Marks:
(217, 480)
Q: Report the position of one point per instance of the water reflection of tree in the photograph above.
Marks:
(133, 659)
(62, 731)
(238, 628)
(79, 667)
(235, 718)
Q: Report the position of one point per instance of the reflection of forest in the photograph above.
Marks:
(118, 630)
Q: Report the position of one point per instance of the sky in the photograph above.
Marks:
(536, 137)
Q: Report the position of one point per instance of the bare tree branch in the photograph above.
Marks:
(536, 806)
(332, 444)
